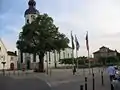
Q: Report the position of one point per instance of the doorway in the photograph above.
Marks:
(12, 66)
(28, 64)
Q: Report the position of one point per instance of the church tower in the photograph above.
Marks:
(31, 13)
(26, 59)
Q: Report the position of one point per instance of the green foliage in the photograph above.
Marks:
(81, 60)
(108, 60)
(112, 60)
(41, 36)
(66, 61)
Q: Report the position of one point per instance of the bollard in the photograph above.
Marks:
(112, 87)
(102, 78)
(92, 70)
(93, 82)
(81, 87)
(85, 83)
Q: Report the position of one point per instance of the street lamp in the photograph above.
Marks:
(46, 62)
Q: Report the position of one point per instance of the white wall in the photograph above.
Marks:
(12, 59)
(46, 57)
(3, 55)
(30, 17)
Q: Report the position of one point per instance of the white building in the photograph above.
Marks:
(27, 61)
(10, 58)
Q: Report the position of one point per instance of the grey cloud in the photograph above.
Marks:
(112, 35)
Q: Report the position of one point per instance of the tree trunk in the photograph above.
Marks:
(34, 57)
(21, 56)
(55, 59)
(41, 63)
(21, 60)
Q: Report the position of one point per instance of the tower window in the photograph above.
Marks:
(11, 58)
(27, 21)
(68, 55)
(33, 17)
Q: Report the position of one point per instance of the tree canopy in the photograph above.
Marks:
(41, 36)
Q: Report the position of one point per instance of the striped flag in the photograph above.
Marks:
(87, 44)
(72, 40)
(77, 43)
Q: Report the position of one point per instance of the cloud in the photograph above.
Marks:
(101, 18)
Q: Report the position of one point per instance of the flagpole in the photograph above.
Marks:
(89, 62)
(77, 57)
(77, 48)
(87, 45)
(73, 57)
(72, 39)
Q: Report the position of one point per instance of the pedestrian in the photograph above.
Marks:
(111, 71)
(74, 70)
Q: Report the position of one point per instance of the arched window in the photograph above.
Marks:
(68, 55)
(11, 58)
(27, 21)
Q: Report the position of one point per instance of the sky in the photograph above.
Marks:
(101, 18)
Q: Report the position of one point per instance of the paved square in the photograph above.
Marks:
(60, 79)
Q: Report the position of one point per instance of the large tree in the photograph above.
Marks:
(41, 36)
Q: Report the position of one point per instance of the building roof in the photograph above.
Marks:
(96, 52)
(103, 47)
(11, 53)
(31, 9)
(3, 44)
(109, 50)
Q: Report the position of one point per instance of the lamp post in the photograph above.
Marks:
(3, 67)
(50, 63)
(46, 62)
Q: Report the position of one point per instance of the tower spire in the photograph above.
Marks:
(32, 3)
(31, 11)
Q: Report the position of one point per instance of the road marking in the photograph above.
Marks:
(48, 84)
(44, 81)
